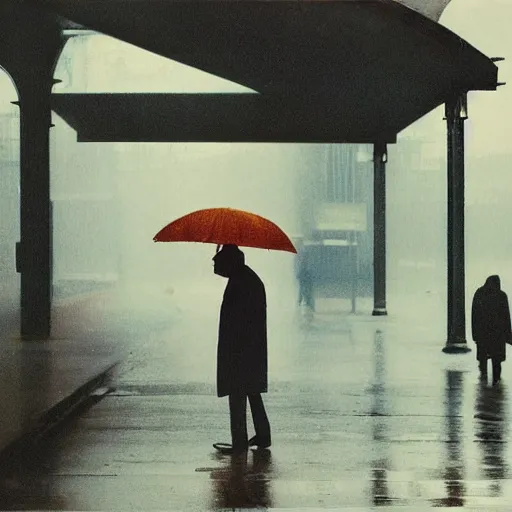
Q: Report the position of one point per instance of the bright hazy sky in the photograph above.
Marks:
(486, 25)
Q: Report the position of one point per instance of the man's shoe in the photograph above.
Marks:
(227, 449)
(255, 441)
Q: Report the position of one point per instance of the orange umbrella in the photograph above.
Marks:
(223, 226)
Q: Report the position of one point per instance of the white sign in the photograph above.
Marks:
(342, 217)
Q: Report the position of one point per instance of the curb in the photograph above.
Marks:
(53, 417)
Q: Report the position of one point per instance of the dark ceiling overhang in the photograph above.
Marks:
(375, 61)
(210, 118)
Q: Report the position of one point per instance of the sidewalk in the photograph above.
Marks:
(367, 413)
(92, 332)
(42, 381)
(39, 380)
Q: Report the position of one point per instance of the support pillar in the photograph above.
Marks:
(35, 211)
(379, 229)
(456, 114)
(34, 42)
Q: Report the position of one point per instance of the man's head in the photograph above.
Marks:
(493, 282)
(229, 260)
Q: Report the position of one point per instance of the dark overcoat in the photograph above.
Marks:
(242, 346)
(490, 322)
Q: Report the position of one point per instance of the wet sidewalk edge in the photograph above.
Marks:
(48, 421)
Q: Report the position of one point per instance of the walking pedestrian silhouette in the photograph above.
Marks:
(490, 322)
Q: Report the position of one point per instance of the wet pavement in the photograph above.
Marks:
(366, 413)
(41, 380)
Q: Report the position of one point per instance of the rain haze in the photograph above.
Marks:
(144, 186)
(110, 279)
(110, 199)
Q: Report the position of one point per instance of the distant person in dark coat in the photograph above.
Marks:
(490, 322)
(242, 349)
(304, 276)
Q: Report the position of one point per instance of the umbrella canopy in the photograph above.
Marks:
(223, 226)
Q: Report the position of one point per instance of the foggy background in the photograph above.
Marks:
(111, 199)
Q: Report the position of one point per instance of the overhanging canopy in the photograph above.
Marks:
(211, 118)
(372, 60)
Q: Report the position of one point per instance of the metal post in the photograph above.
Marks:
(456, 114)
(353, 264)
(379, 229)
(353, 235)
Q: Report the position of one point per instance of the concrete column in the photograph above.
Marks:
(456, 114)
(34, 44)
(379, 229)
(35, 210)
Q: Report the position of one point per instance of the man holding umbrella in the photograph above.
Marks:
(242, 347)
(242, 350)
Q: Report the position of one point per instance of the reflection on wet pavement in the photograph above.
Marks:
(491, 430)
(239, 484)
(381, 465)
(454, 466)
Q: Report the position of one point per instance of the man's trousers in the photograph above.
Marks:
(238, 420)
